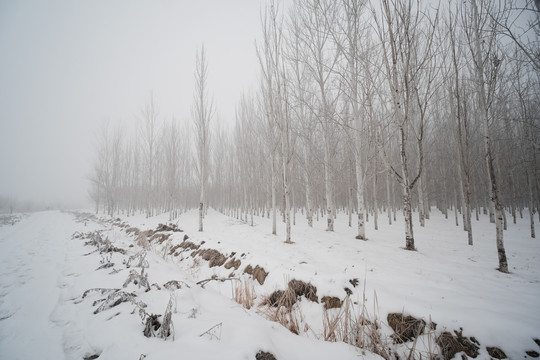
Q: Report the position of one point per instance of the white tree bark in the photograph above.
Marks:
(202, 111)
(484, 114)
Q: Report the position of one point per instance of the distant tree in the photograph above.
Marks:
(275, 89)
(149, 132)
(202, 112)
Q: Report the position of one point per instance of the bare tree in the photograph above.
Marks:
(149, 136)
(455, 100)
(202, 112)
(275, 89)
(481, 38)
(407, 37)
(321, 58)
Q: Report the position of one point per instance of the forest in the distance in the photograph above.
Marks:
(365, 108)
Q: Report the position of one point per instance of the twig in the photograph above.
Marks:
(206, 281)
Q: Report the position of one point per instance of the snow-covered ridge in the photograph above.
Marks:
(446, 281)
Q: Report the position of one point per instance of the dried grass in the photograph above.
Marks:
(244, 293)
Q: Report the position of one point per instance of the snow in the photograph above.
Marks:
(44, 274)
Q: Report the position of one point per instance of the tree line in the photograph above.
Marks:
(365, 108)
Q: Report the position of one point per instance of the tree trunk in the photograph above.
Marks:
(328, 188)
(483, 107)
(274, 215)
(360, 198)
(531, 204)
(421, 209)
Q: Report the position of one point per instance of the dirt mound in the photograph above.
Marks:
(496, 352)
(450, 345)
(233, 263)
(262, 355)
(331, 302)
(168, 227)
(133, 230)
(214, 257)
(280, 298)
(405, 328)
(258, 273)
(302, 288)
(188, 245)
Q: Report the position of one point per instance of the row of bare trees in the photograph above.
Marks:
(366, 108)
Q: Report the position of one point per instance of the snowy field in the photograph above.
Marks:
(45, 273)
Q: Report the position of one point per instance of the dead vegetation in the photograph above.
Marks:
(188, 245)
(202, 283)
(152, 325)
(138, 260)
(137, 279)
(341, 320)
(103, 245)
(168, 227)
(532, 353)
(133, 230)
(172, 285)
(405, 327)
(496, 352)
(285, 311)
(258, 273)
(244, 293)
(232, 263)
(450, 345)
(263, 355)
(142, 238)
(280, 298)
(115, 298)
(300, 288)
(159, 238)
(214, 257)
(331, 302)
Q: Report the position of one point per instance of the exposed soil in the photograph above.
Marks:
(331, 302)
(214, 257)
(450, 345)
(405, 328)
(232, 263)
(532, 353)
(300, 288)
(280, 298)
(258, 273)
(496, 352)
(263, 355)
(168, 227)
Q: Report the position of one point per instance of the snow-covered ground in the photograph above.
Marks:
(44, 274)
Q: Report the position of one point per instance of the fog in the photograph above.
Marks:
(66, 67)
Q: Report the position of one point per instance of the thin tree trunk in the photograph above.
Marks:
(274, 215)
(531, 204)
(494, 190)
(328, 188)
(360, 198)
(375, 206)
(421, 210)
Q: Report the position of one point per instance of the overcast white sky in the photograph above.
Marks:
(66, 66)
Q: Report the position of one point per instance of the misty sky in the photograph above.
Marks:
(67, 66)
